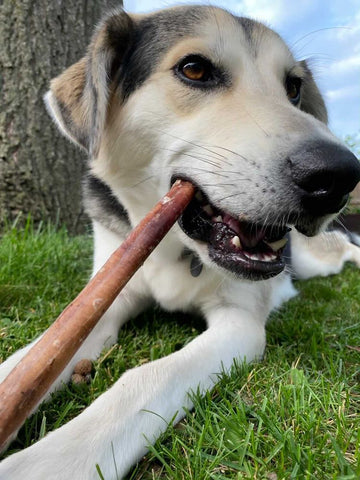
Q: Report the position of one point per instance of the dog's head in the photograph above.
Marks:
(197, 93)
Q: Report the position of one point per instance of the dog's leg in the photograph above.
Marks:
(322, 255)
(131, 301)
(127, 305)
(116, 429)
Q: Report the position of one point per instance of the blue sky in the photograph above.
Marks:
(327, 32)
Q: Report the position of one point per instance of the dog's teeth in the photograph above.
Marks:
(260, 257)
(275, 246)
(252, 256)
(235, 241)
(199, 196)
(217, 219)
(269, 258)
(207, 209)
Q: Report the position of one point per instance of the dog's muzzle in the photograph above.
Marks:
(318, 179)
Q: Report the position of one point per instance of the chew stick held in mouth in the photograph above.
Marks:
(28, 382)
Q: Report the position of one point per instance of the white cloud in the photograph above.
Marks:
(269, 12)
(272, 12)
(259, 9)
(350, 91)
(345, 65)
(350, 19)
(144, 5)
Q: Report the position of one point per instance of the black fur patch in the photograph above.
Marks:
(312, 101)
(102, 205)
(154, 36)
(120, 32)
(287, 252)
(248, 28)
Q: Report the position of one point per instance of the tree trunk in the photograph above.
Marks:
(40, 171)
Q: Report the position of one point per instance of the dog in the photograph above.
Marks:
(195, 93)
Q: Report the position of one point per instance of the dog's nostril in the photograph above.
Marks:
(318, 183)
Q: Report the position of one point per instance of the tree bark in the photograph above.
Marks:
(40, 171)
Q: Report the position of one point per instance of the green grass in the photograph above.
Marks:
(296, 415)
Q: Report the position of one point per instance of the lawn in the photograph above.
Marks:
(296, 415)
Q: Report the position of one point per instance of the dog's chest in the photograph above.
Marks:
(173, 285)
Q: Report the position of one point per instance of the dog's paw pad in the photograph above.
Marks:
(82, 372)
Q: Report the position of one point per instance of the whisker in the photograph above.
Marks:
(200, 170)
(338, 220)
(233, 195)
(215, 155)
(141, 181)
(218, 185)
(212, 151)
(209, 162)
(233, 152)
(257, 123)
(209, 171)
(234, 172)
(318, 31)
(196, 145)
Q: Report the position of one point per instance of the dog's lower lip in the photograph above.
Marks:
(246, 267)
(256, 263)
(244, 248)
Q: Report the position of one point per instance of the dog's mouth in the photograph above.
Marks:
(247, 249)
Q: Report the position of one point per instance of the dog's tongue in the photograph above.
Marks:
(249, 234)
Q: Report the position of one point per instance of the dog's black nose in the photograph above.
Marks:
(324, 173)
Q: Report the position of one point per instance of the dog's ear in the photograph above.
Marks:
(77, 99)
(311, 100)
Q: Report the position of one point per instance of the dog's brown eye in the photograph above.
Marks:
(197, 71)
(293, 89)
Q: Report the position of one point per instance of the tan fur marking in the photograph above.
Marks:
(68, 89)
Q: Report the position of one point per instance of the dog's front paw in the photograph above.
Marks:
(55, 457)
(39, 462)
(20, 465)
(76, 451)
(33, 463)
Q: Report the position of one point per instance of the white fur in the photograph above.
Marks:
(54, 111)
(322, 255)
